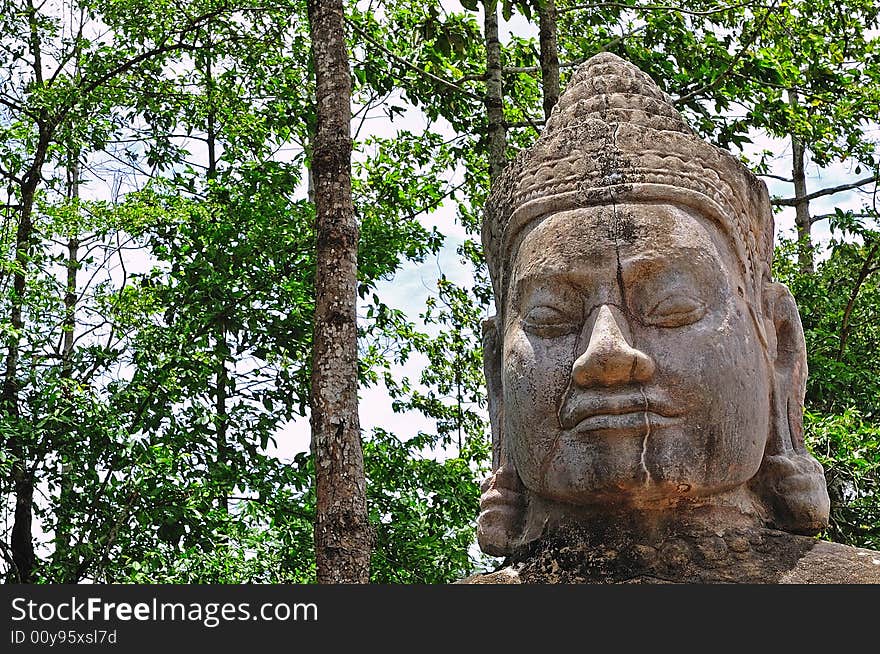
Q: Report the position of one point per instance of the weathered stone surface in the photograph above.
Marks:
(699, 556)
(645, 372)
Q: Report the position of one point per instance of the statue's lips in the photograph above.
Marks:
(640, 421)
(618, 413)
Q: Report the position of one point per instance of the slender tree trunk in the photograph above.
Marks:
(847, 313)
(21, 539)
(342, 531)
(802, 205)
(66, 495)
(72, 266)
(23, 237)
(549, 54)
(221, 347)
(221, 396)
(212, 118)
(497, 131)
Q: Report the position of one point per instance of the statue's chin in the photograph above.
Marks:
(637, 491)
(666, 467)
(736, 506)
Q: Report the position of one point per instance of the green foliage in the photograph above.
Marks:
(839, 306)
(153, 434)
(732, 67)
(840, 311)
(423, 502)
(422, 510)
(848, 447)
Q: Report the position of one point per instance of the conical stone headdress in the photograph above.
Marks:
(613, 137)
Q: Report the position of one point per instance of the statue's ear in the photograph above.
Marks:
(502, 501)
(790, 481)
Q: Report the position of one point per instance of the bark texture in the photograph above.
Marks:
(549, 54)
(802, 219)
(342, 533)
(21, 538)
(497, 132)
(67, 494)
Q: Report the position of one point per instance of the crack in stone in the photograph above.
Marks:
(615, 235)
(647, 435)
(545, 463)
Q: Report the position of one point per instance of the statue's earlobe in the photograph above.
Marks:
(502, 502)
(790, 481)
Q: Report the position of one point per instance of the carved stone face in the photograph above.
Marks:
(632, 372)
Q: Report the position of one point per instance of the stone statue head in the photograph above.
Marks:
(642, 363)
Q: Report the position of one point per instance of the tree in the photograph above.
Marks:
(805, 73)
(494, 95)
(342, 530)
(164, 483)
(549, 54)
(57, 95)
(839, 302)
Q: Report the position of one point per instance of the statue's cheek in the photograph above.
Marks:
(518, 360)
(538, 368)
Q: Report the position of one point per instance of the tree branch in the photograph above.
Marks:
(525, 113)
(434, 203)
(807, 94)
(863, 275)
(511, 70)
(577, 62)
(634, 7)
(481, 77)
(108, 539)
(403, 62)
(823, 216)
(779, 177)
(36, 51)
(15, 106)
(192, 25)
(790, 202)
(739, 55)
(76, 51)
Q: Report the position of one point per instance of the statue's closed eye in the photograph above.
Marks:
(676, 310)
(548, 322)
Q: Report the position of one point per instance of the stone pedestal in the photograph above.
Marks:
(740, 555)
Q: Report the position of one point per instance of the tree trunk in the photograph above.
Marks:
(865, 270)
(342, 532)
(497, 134)
(21, 539)
(221, 394)
(549, 54)
(802, 205)
(23, 238)
(66, 435)
(221, 347)
(72, 265)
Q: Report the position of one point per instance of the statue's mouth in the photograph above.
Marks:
(639, 421)
(639, 411)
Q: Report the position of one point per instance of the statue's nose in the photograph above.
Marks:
(609, 358)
